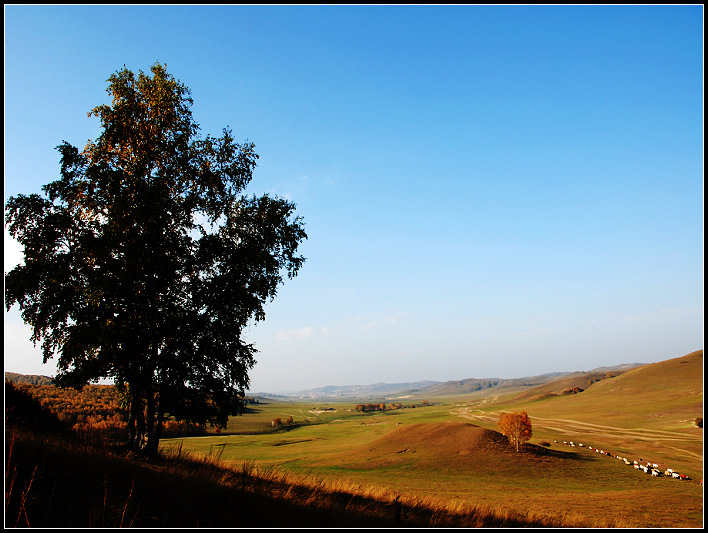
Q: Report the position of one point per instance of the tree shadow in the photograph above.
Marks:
(542, 451)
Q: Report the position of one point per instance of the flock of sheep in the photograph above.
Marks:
(648, 468)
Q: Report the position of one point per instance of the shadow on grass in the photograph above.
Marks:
(541, 451)
(58, 480)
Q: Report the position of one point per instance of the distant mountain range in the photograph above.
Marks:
(426, 388)
(361, 391)
(380, 391)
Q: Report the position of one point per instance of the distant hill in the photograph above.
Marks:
(29, 379)
(479, 386)
(553, 382)
(677, 381)
(667, 394)
(573, 382)
(483, 386)
(377, 390)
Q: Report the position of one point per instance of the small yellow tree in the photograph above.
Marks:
(516, 426)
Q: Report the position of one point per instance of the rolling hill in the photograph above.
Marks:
(664, 394)
(650, 410)
(376, 390)
(432, 389)
(31, 379)
(452, 449)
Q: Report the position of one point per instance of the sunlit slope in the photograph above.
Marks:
(648, 411)
(494, 387)
(579, 380)
(448, 449)
(666, 395)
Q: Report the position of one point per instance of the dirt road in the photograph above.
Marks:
(586, 430)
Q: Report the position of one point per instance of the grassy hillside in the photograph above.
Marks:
(482, 387)
(577, 380)
(667, 395)
(451, 453)
(649, 410)
(56, 478)
(442, 464)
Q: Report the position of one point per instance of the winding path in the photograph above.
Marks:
(665, 438)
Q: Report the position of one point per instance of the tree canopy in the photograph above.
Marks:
(516, 426)
(146, 259)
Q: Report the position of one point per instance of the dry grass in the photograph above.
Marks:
(333, 496)
(462, 474)
(356, 470)
(53, 481)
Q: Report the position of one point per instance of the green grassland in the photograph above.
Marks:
(449, 451)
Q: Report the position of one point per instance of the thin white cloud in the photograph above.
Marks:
(295, 334)
(354, 324)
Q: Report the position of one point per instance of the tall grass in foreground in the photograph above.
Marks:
(381, 504)
(54, 481)
(58, 477)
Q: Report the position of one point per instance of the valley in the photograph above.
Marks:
(450, 452)
(423, 460)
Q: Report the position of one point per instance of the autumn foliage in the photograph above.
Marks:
(96, 408)
(516, 426)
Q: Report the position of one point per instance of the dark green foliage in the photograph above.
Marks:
(146, 260)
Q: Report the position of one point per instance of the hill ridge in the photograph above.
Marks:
(442, 388)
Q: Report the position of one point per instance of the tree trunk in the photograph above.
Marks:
(158, 426)
(131, 425)
(136, 407)
(134, 424)
(153, 425)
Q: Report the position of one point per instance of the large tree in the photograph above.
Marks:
(146, 260)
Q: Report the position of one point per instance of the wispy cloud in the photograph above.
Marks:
(353, 324)
(290, 188)
(295, 334)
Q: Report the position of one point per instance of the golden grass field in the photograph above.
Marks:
(449, 453)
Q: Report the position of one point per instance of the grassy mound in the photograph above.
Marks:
(455, 446)
(444, 438)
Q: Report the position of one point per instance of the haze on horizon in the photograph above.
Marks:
(488, 191)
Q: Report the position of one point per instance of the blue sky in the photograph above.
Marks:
(488, 191)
